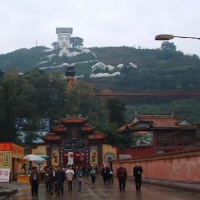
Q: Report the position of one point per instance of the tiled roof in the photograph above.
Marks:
(60, 128)
(73, 119)
(51, 136)
(96, 136)
(156, 121)
(88, 128)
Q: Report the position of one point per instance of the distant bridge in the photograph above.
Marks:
(168, 94)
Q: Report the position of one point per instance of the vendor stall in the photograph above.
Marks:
(11, 158)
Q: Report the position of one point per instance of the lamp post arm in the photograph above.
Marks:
(170, 37)
(187, 37)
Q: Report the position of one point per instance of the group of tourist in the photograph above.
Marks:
(122, 176)
(54, 178)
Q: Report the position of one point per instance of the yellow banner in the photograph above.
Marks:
(93, 157)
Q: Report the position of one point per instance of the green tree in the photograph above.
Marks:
(76, 42)
(116, 109)
(112, 137)
(11, 97)
(168, 46)
(55, 45)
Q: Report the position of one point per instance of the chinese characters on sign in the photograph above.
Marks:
(7, 159)
(74, 145)
(4, 175)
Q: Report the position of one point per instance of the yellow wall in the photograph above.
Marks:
(41, 149)
(109, 153)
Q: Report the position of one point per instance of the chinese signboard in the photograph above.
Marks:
(23, 124)
(7, 151)
(4, 175)
(74, 145)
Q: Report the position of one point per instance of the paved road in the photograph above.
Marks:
(99, 191)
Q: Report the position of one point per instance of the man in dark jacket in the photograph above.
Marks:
(34, 181)
(137, 173)
(59, 180)
(47, 178)
(121, 175)
(105, 173)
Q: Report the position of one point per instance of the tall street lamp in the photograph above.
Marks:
(170, 37)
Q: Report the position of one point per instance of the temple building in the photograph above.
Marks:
(73, 140)
(157, 134)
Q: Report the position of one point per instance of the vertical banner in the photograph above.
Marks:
(55, 156)
(7, 158)
(4, 175)
(94, 155)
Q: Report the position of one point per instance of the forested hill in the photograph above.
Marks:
(116, 68)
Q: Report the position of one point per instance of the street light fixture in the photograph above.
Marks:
(170, 37)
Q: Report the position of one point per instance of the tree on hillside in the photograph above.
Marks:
(76, 42)
(116, 109)
(55, 45)
(168, 46)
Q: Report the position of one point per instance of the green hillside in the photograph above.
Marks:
(157, 70)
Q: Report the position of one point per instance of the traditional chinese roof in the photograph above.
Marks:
(51, 137)
(88, 128)
(157, 122)
(59, 128)
(96, 136)
(73, 120)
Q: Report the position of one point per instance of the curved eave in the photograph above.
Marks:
(51, 137)
(73, 121)
(59, 129)
(88, 129)
(97, 136)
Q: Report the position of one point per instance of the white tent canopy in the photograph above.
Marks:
(32, 157)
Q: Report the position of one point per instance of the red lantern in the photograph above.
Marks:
(65, 155)
(72, 155)
(83, 154)
(77, 155)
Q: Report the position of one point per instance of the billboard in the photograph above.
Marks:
(142, 138)
(24, 124)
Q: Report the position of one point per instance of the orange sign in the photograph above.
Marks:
(23, 179)
(5, 146)
(17, 150)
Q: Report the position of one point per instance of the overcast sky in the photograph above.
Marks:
(101, 23)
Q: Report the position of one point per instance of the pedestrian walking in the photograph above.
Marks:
(105, 173)
(137, 173)
(70, 176)
(110, 177)
(79, 178)
(47, 180)
(122, 175)
(34, 181)
(92, 174)
(59, 180)
(53, 183)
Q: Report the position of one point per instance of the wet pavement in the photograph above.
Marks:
(99, 191)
